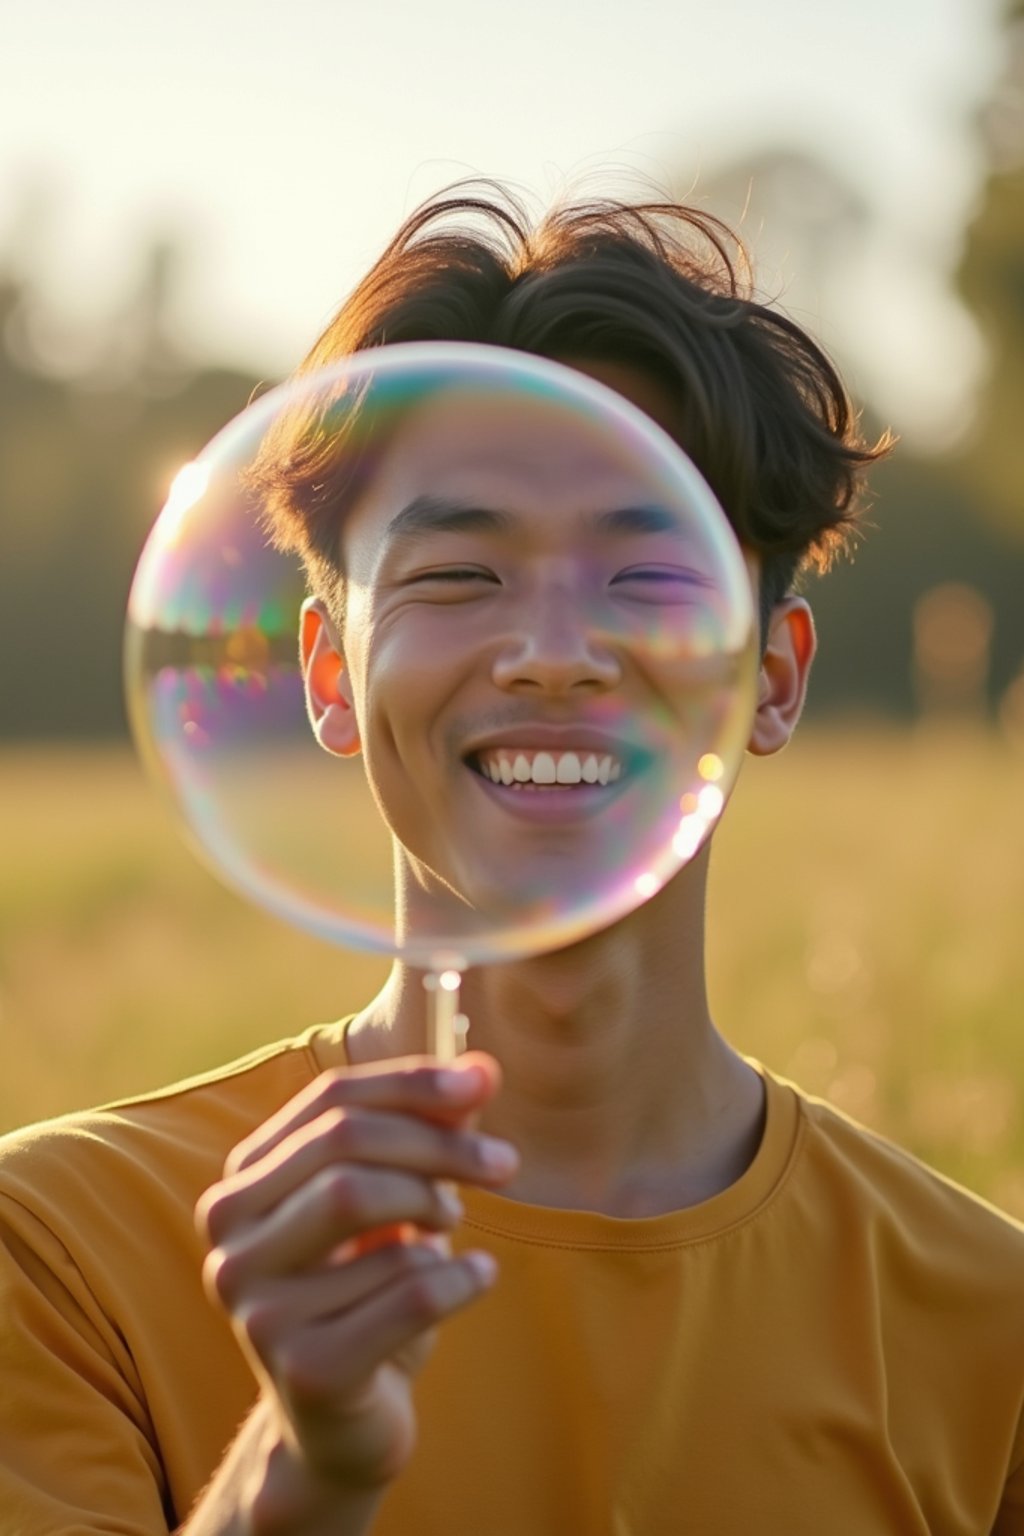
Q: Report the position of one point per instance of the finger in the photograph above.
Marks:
(344, 1136)
(302, 1301)
(337, 1204)
(414, 1084)
(323, 1362)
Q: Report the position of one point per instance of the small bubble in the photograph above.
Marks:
(711, 766)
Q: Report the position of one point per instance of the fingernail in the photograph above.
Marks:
(483, 1265)
(498, 1156)
(455, 1084)
(450, 1202)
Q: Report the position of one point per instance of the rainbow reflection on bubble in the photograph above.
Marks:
(601, 609)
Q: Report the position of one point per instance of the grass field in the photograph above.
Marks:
(867, 939)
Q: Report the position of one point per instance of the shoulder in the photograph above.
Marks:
(914, 1217)
(133, 1155)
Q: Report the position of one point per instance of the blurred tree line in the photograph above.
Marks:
(930, 614)
(85, 465)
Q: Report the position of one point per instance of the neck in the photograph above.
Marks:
(617, 1089)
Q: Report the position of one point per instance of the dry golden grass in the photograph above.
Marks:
(867, 917)
(869, 894)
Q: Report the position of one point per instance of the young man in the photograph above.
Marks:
(683, 1296)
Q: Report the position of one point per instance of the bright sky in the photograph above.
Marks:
(286, 142)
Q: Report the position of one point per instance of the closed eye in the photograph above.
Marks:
(662, 583)
(454, 573)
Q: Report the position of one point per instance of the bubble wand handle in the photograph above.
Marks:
(446, 1026)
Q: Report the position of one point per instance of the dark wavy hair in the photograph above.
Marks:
(657, 286)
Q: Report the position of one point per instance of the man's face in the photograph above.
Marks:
(515, 648)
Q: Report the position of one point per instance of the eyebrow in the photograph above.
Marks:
(425, 515)
(433, 514)
(651, 519)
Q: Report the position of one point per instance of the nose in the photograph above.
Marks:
(557, 649)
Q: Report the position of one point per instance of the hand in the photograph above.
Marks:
(335, 1315)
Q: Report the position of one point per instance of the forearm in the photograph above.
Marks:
(262, 1489)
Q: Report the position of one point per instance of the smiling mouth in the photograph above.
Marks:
(530, 768)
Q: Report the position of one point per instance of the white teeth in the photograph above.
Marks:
(545, 768)
(568, 771)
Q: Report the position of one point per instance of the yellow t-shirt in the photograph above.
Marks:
(834, 1346)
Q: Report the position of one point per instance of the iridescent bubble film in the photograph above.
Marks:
(446, 652)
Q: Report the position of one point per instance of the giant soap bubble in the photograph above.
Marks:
(527, 665)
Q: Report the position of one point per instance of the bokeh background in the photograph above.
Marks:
(187, 193)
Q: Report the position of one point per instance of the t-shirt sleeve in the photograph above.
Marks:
(76, 1451)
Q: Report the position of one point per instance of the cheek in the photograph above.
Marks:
(410, 667)
(428, 643)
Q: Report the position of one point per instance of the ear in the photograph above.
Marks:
(328, 693)
(782, 683)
